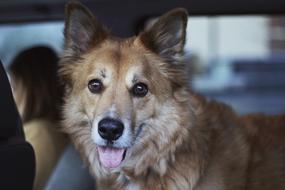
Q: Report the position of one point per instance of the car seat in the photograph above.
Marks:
(17, 158)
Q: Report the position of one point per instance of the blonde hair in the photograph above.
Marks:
(35, 83)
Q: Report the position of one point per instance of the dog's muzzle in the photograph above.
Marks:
(110, 130)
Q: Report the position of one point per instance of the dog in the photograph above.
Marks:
(138, 125)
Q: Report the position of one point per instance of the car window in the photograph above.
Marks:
(235, 59)
(239, 60)
(16, 37)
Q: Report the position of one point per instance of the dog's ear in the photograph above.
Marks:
(166, 36)
(82, 30)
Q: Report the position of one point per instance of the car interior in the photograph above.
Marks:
(236, 49)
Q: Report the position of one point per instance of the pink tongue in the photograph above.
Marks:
(110, 157)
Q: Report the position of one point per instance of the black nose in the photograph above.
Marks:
(110, 129)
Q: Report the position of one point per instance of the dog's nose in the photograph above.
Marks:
(110, 129)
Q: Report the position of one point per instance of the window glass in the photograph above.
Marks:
(236, 59)
(239, 60)
(17, 37)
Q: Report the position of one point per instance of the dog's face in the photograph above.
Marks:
(116, 89)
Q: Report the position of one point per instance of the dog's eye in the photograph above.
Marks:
(95, 86)
(139, 89)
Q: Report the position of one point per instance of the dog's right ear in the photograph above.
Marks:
(82, 30)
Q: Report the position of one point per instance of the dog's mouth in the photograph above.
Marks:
(111, 157)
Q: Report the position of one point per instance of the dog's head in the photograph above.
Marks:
(119, 91)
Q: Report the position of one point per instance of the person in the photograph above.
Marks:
(37, 93)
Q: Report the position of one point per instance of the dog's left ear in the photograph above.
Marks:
(167, 36)
(82, 30)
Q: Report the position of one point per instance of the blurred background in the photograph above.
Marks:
(236, 48)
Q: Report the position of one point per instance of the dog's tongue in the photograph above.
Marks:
(110, 157)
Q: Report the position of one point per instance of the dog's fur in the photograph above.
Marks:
(174, 139)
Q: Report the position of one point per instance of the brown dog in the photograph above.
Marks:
(131, 115)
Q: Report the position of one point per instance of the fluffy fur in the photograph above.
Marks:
(174, 139)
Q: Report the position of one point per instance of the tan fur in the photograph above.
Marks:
(186, 142)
